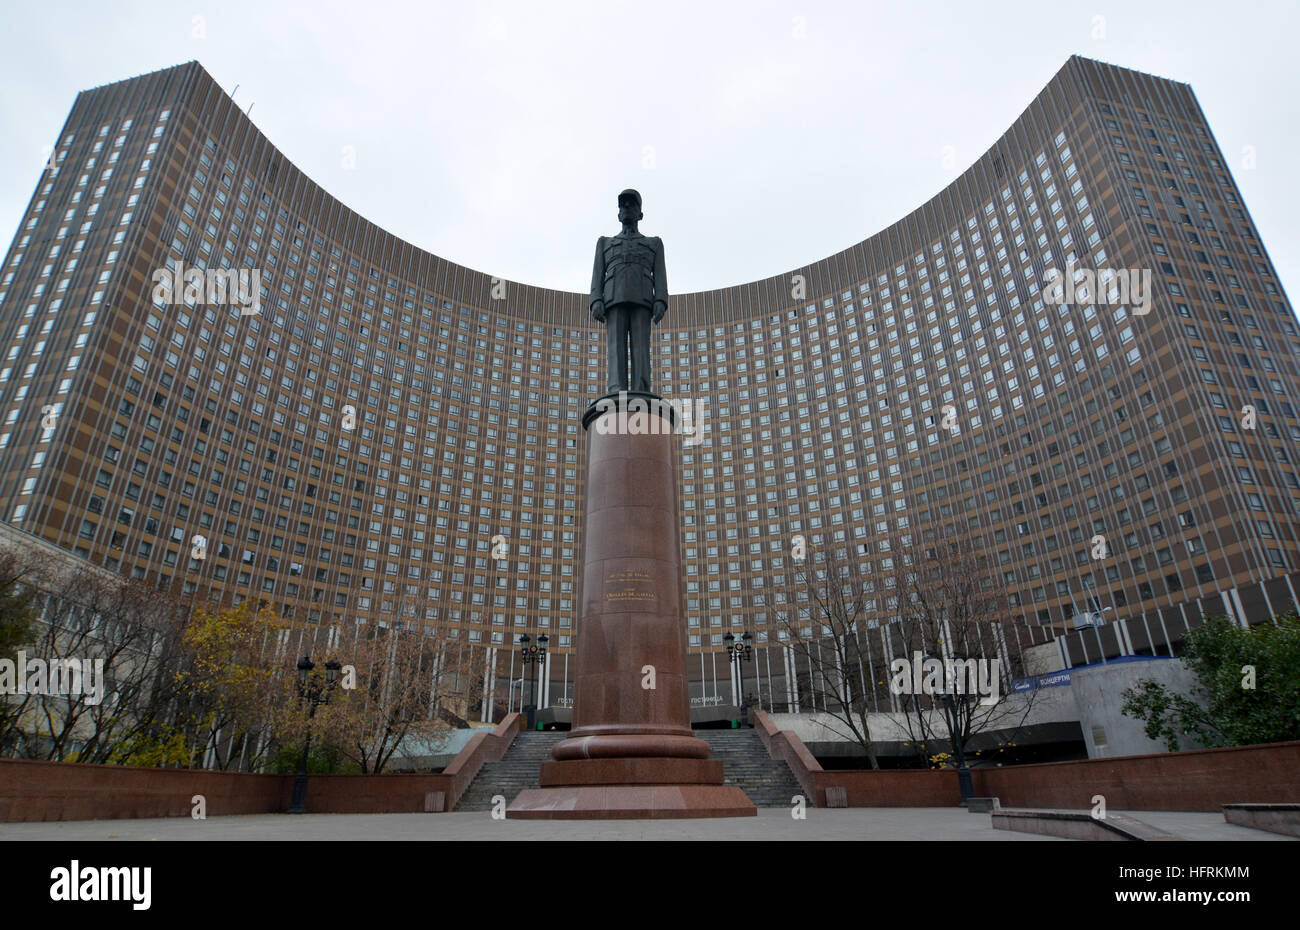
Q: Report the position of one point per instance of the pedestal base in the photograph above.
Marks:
(621, 772)
(631, 802)
(627, 741)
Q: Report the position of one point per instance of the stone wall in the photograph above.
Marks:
(34, 790)
(1099, 695)
(1198, 780)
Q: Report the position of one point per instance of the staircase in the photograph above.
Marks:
(516, 771)
(768, 782)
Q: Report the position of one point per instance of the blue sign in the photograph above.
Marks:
(1062, 677)
(1050, 680)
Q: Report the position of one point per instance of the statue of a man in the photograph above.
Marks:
(629, 292)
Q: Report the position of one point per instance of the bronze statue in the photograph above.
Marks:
(629, 293)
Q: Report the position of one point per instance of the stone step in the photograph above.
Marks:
(768, 782)
(517, 770)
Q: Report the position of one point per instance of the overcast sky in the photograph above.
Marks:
(762, 136)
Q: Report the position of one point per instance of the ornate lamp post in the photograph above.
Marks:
(315, 693)
(738, 653)
(532, 657)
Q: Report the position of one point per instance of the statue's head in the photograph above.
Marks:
(629, 207)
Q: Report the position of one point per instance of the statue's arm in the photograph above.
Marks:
(661, 282)
(598, 282)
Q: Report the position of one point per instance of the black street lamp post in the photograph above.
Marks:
(963, 773)
(738, 653)
(532, 657)
(964, 783)
(311, 690)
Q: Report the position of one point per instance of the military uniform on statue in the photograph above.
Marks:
(629, 291)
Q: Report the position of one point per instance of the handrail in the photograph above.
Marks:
(482, 748)
(786, 746)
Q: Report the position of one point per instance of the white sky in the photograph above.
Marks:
(498, 134)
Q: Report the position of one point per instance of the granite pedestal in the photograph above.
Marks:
(631, 752)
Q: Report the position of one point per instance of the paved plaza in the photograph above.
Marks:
(883, 823)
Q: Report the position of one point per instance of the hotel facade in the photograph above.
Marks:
(356, 430)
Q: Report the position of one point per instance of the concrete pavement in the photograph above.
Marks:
(880, 823)
(893, 823)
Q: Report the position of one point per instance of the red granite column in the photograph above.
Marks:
(631, 752)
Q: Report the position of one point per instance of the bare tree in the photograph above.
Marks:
(108, 649)
(19, 576)
(824, 626)
(951, 612)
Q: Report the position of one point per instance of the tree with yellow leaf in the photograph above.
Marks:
(405, 686)
(228, 685)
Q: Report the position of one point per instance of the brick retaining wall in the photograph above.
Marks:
(34, 791)
(1197, 780)
(31, 790)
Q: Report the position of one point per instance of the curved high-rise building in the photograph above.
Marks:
(350, 427)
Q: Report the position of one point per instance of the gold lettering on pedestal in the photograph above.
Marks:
(630, 586)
